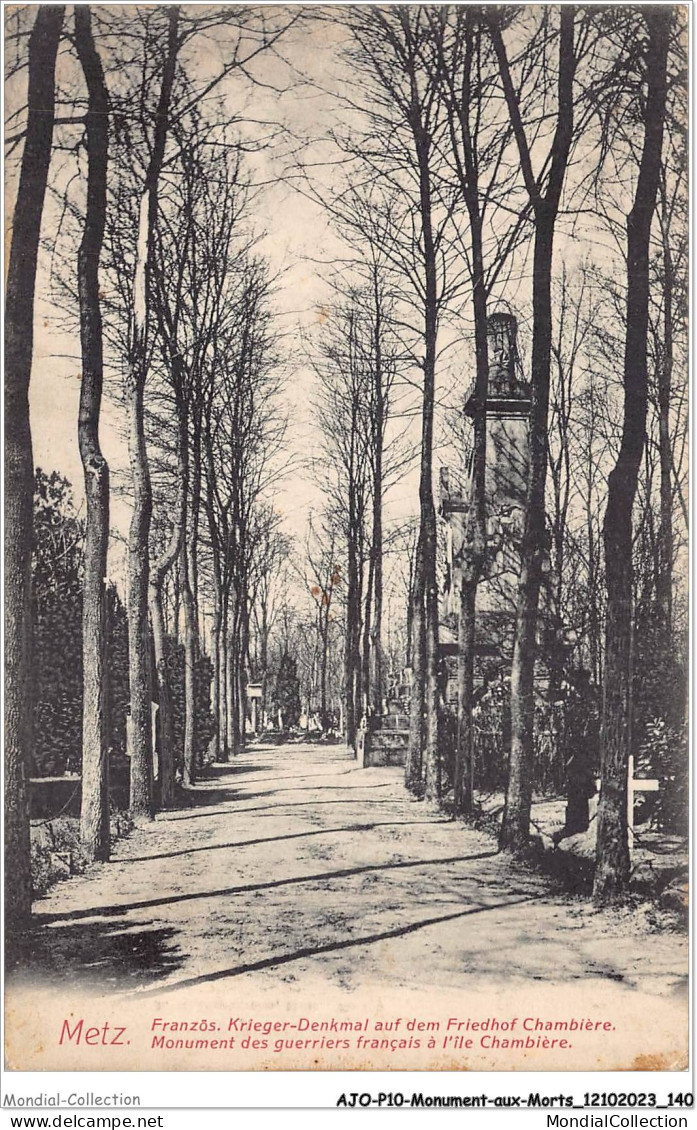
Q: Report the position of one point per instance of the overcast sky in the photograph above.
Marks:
(297, 242)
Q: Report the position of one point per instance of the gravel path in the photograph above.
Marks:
(298, 886)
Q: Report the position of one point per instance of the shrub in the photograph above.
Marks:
(56, 851)
(664, 754)
(286, 692)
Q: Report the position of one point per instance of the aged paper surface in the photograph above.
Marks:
(293, 906)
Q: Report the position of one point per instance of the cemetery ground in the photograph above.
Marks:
(296, 884)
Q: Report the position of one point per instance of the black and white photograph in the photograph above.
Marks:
(346, 538)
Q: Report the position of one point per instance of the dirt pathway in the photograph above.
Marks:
(296, 884)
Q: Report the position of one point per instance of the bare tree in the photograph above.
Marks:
(268, 592)
(199, 210)
(242, 443)
(322, 580)
(409, 211)
(245, 34)
(544, 192)
(568, 345)
(344, 406)
(159, 569)
(478, 139)
(612, 861)
(19, 469)
(141, 800)
(95, 827)
(667, 320)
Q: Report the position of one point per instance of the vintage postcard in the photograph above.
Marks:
(346, 543)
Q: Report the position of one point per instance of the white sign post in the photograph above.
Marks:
(636, 785)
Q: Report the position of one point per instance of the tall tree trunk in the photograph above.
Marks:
(413, 769)
(665, 376)
(410, 608)
(242, 670)
(176, 606)
(111, 603)
(432, 763)
(140, 751)
(366, 696)
(264, 660)
(474, 549)
(231, 676)
(223, 702)
(94, 813)
(19, 463)
(352, 617)
(216, 627)
(195, 506)
(324, 635)
(376, 664)
(158, 573)
(612, 853)
(356, 660)
(219, 608)
(475, 542)
(191, 608)
(432, 768)
(138, 563)
(231, 685)
(515, 827)
(594, 616)
(189, 748)
(377, 539)
(165, 717)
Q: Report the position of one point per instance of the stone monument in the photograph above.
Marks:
(507, 460)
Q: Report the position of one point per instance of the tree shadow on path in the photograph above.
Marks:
(247, 888)
(329, 947)
(233, 797)
(363, 827)
(108, 954)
